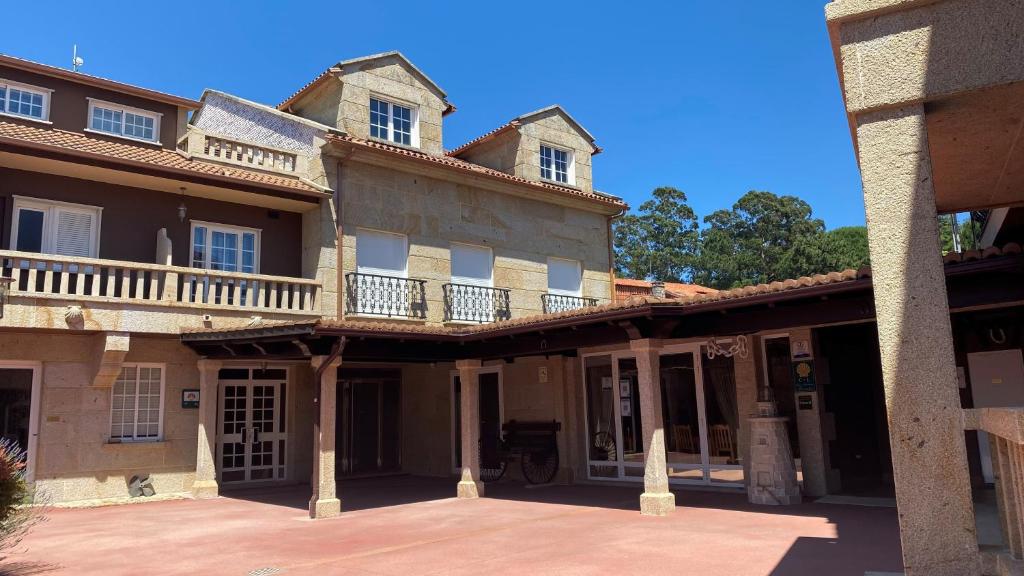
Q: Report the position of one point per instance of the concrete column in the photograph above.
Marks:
(929, 457)
(747, 372)
(205, 484)
(656, 500)
(809, 430)
(324, 502)
(470, 485)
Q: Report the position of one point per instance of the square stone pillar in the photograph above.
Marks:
(205, 483)
(809, 428)
(933, 491)
(324, 502)
(656, 500)
(470, 485)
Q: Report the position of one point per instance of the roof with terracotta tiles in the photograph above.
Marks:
(717, 299)
(625, 287)
(517, 121)
(78, 144)
(483, 137)
(88, 79)
(477, 169)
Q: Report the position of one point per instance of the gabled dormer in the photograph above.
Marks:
(547, 145)
(381, 97)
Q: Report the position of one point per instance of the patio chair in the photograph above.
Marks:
(721, 441)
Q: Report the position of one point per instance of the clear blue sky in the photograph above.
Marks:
(714, 98)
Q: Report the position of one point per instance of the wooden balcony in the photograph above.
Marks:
(139, 287)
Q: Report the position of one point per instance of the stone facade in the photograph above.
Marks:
(772, 473)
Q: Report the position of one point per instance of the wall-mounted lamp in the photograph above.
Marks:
(182, 209)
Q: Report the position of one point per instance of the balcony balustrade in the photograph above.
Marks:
(561, 303)
(73, 278)
(389, 296)
(468, 303)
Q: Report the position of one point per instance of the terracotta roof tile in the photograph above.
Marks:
(482, 137)
(154, 156)
(475, 168)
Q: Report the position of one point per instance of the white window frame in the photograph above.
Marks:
(414, 118)
(489, 282)
(163, 400)
(570, 164)
(559, 292)
(456, 409)
(155, 116)
(403, 273)
(44, 92)
(212, 227)
(49, 207)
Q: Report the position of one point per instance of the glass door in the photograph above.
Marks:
(253, 437)
(683, 417)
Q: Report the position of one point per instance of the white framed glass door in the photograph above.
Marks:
(252, 442)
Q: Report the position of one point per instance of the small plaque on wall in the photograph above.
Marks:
(803, 376)
(190, 398)
(805, 402)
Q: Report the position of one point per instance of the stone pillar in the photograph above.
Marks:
(933, 491)
(205, 483)
(772, 471)
(809, 429)
(656, 500)
(470, 485)
(747, 372)
(324, 502)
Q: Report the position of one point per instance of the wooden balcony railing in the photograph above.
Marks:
(561, 303)
(468, 303)
(69, 277)
(1005, 428)
(390, 296)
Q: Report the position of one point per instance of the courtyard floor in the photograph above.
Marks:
(407, 525)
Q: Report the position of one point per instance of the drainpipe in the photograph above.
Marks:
(339, 240)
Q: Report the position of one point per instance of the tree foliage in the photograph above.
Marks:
(968, 233)
(762, 238)
(660, 241)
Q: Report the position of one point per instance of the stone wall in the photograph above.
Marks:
(433, 213)
(427, 420)
(551, 127)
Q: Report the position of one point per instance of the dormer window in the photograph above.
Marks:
(123, 121)
(23, 100)
(555, 164)
(393, 122)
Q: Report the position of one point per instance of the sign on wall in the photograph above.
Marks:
(803, 376)
(190, 398)
(801, 349)
(805, 402)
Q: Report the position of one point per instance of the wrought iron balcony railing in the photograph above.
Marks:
(561, 303)
(468, 303)
(390, 296)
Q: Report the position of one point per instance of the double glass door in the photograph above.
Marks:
(699, 413)
(252, 438)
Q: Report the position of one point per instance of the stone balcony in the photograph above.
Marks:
(63, 292)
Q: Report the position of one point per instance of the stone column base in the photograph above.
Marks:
(204, 489)
(325, 508)
(657, 504)
(470, 489)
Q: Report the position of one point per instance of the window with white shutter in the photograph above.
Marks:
(565, 277)
(52, 227)
(472, 265)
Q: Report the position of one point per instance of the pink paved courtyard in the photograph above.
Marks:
(406, 525)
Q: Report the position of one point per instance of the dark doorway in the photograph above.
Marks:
(15, 405)
(370, 434)
(855, 398)
(779, 368)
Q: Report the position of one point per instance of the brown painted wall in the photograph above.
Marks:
(69, 109)
(132, 216)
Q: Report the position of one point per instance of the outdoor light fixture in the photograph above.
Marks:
(182, 209)
(5, 287)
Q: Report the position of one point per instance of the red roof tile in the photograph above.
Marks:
(29, 134)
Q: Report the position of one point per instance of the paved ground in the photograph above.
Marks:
(403, 526)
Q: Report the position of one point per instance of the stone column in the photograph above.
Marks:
(933, 491)
(324, 502)
(656, 500)
(205, 483)
(470, 485)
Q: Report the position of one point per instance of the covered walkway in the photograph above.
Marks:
(409, 525)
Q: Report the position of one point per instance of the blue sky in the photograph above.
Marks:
(714, 98)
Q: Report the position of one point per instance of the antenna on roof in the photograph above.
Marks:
(76, 60)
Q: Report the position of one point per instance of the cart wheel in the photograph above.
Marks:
(540, 467)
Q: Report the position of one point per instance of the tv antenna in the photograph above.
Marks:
(76, 60)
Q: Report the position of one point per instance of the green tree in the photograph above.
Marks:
(763, 237)
(660, 240)
(969, 233)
